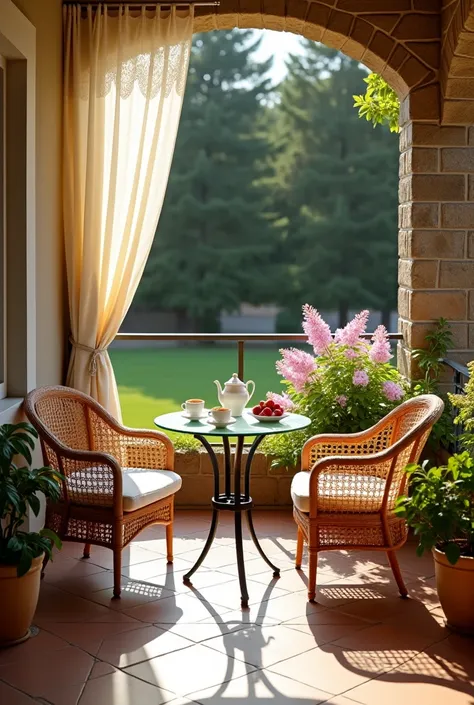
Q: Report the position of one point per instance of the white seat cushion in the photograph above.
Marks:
(341, 495)
(142, 486)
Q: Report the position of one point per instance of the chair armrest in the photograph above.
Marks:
(90, 477)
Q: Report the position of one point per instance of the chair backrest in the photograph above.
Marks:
(60, 412)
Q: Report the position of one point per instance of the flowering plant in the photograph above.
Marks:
(345, 387)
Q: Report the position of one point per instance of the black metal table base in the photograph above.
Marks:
(238, 502)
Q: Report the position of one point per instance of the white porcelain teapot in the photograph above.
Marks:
(235, 394)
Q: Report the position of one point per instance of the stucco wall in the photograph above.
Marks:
(46, 16)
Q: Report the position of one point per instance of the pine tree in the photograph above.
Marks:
(215, 241)
(336, 186)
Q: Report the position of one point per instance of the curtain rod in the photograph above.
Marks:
(148, 5)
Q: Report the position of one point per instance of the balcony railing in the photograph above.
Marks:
(240, 338)
(460, 377)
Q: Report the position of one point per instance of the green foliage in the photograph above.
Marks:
(215, 244)
(465, 404)
(430, 362)
(334, 188)
(440, 507)
(379, 104)
(19, 488)
(185, 444)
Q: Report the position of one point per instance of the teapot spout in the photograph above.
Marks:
(219, 390)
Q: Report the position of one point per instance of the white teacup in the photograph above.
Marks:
(221, 415)
(193, 408)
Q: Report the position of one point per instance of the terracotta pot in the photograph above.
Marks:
(18, 598)
(455, 584)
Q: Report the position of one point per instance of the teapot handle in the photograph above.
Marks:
(253, 388)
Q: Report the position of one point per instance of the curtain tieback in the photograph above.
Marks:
(94, 354)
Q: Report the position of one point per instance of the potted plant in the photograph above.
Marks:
(21, 552)
(346, 384)
(440, 509)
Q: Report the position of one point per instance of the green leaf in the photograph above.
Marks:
(453, 552)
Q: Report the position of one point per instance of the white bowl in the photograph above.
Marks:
(268, 419)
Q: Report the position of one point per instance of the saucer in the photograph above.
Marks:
(220, 424)
(195, 418)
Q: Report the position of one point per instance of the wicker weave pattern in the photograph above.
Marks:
(355, 481)
(83, 442)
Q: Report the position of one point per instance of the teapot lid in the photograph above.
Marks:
(235, 381)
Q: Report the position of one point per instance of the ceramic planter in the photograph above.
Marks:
(18, 599)
(455, 584)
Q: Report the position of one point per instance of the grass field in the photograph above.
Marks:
(154, 381)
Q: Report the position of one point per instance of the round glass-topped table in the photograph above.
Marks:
(236, 499)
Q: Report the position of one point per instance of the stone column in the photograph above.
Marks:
(436, 238)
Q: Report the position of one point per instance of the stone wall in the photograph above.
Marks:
(270, 487)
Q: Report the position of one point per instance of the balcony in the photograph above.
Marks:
(164, 642)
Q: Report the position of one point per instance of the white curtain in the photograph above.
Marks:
(125, 75)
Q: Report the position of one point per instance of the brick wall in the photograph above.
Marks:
(270, 487)
(436, 245)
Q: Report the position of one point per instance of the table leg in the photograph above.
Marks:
(215, 512)
(255, 444)
(239, 547)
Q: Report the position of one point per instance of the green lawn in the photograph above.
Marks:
(153, 381)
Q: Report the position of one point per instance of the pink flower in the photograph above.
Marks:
(350, 354)
(350, 335)
(380, 350)
(360, 378)
(282, 399)
(393, 391)
(317, 330)
(296, 366)
(342, 400)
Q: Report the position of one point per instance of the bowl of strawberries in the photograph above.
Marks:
(268, 411)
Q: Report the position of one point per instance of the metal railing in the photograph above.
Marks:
(239, 338)
(460, 377)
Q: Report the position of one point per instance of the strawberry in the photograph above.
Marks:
(277, 412)
(270, 404)
(256, 410)
(266, 412)
(262, 404)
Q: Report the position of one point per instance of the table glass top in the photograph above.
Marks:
(245, 425)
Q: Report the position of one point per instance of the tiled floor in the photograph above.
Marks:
(164, 642)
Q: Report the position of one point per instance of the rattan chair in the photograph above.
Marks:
(117, 480)
(344, 496)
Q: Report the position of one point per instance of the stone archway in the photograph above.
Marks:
(417, 46)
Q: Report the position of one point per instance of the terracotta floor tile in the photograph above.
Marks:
(331, 668)
(69, 568)
(128, 648)
(326, 633)
(41, 643)
(218, 556)
(173, 580)
(11, 696)
(188, 670)
(255, 614)
(150, 569)
(83, 586)
(262, 646)
(380, 608)
(228, 594)
(35, 677)
(58, 606)
(402, 641)
(171, 610)
(134, 593)
(326, 616)
(89, 636)
(198, 633)
(261, 687)
(118, 688)
(294, 580)
(443, 675)
(101, 668)
(132, 555)
(254, 565)
(291, 606)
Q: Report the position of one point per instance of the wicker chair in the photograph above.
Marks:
(117, 480)
(346, 499)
